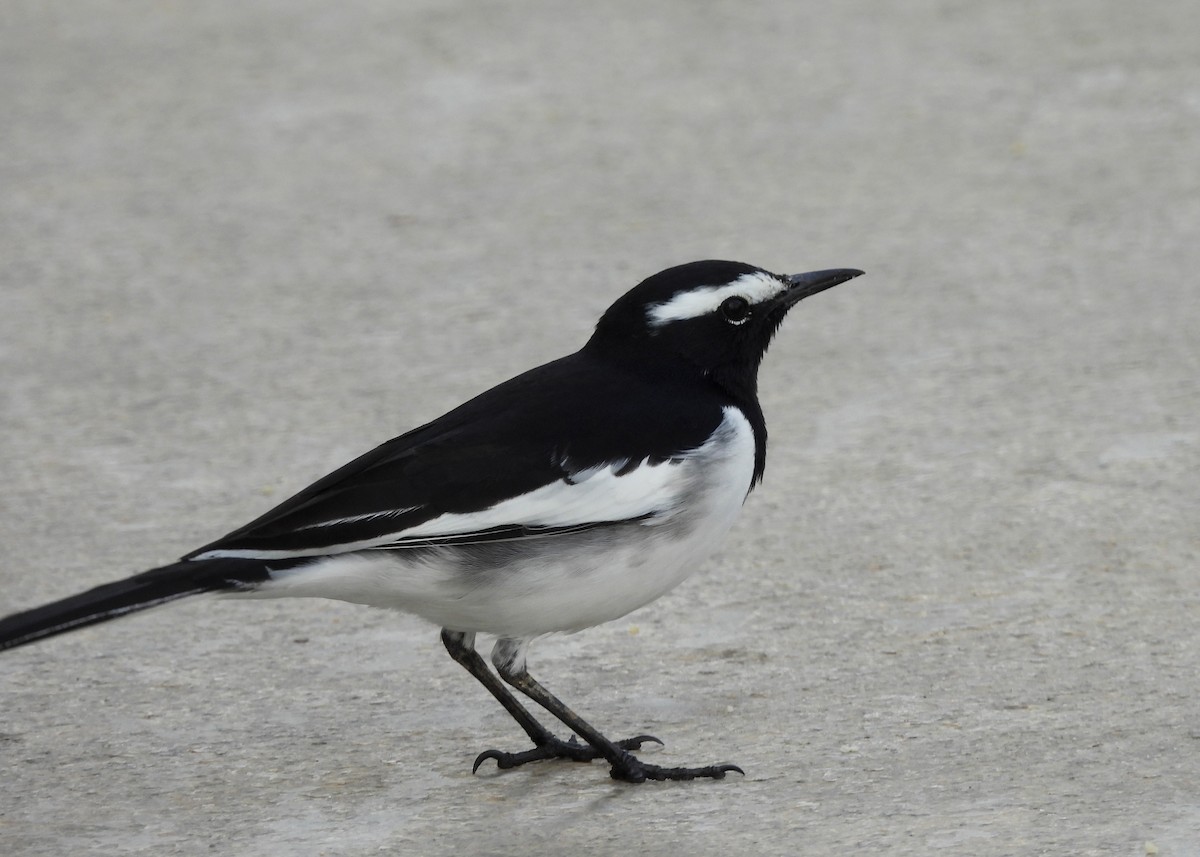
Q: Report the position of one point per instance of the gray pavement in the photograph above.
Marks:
(242, 242)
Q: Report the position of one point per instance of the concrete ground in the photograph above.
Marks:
(242, 242)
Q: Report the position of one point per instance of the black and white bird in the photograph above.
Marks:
(565, 497)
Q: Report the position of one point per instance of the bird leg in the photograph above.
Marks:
(461, 647)
(509, 660)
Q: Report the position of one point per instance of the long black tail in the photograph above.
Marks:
(140, 592)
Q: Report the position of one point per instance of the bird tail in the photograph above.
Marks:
(140, 592)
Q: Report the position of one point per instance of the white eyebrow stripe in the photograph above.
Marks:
(756, 288)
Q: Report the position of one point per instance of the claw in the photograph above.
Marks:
(484, 756)
(637, 742)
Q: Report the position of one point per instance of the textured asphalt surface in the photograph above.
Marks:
(243, 242)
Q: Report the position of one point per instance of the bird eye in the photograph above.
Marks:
(736, 309)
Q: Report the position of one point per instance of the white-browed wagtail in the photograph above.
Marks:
(565, 497)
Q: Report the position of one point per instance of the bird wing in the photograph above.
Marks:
(488, 471)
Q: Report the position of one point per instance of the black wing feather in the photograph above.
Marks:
(504, 443)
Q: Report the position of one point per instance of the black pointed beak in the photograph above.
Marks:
(806, 285)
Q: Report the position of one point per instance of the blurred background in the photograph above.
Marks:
(243, 242)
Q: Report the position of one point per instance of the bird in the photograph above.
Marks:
(563, 498)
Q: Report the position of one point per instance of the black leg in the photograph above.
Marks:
(461, 647)
(509, 659)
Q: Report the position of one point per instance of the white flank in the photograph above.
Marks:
(755, 288)
(569, 582)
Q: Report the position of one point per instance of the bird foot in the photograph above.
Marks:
(633, 770)
(556, 748)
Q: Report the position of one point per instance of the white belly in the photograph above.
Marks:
(525, 588)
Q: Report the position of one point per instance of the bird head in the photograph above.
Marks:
(717, 317)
